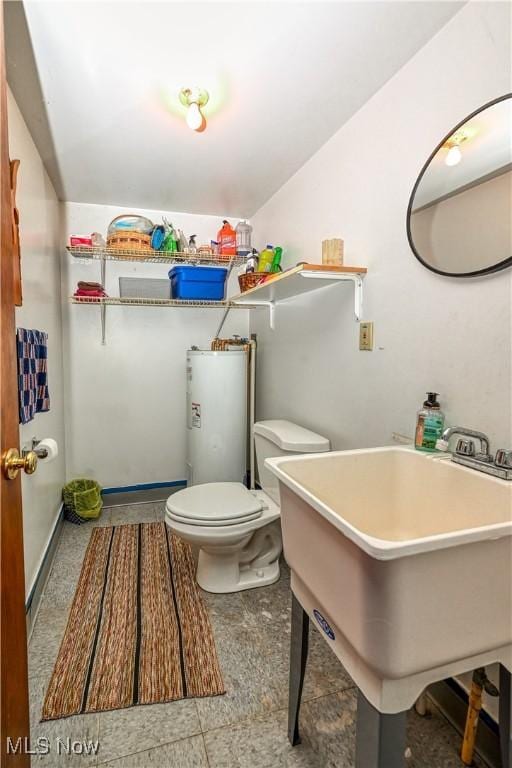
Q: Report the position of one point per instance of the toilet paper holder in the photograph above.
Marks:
(41, 453)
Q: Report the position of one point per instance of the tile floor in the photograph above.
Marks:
(245, 728)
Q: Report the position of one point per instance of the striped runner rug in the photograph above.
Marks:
(138, 631)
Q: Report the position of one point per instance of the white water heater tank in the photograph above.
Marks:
(216, 416)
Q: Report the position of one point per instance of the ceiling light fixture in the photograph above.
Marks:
(454, 155)
(194, 99)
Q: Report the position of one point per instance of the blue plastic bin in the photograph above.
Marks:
(203, 283)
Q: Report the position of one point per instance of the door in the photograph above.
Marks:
(14, 712)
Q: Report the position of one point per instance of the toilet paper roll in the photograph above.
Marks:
(49, 447)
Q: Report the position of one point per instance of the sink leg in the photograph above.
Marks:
(380, 738)
(298, 658)
(505, 716)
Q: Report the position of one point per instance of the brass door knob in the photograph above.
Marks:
(12, 462)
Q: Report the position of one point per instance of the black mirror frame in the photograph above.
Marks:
(477, 273)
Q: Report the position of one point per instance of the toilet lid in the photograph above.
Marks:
(214, 504)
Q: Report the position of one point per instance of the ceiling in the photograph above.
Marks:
(487, 150)
(97, 83)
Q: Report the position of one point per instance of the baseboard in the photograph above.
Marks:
(452, 700)
(143, 487)
(38, 584)
(119, 496)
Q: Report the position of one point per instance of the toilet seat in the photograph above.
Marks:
(214, 504)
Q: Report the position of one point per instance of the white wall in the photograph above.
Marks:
(431, 332)
(40, 264)
(125, 417)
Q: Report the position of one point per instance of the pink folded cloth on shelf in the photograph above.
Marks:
(90, 290)
(96, 294)
(89, 286)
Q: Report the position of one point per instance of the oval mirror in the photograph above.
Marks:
(460, 211)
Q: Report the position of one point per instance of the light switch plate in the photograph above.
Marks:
(366, 336)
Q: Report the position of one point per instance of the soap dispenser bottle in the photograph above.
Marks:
(429, 424)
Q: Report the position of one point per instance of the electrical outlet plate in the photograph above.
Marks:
(366, 336)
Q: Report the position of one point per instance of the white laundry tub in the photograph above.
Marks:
(404, 560)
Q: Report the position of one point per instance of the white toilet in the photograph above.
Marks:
(238, 531)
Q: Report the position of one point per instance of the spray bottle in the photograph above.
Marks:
(276, 261)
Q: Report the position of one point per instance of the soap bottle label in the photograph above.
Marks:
(428, 431)
(418, 439)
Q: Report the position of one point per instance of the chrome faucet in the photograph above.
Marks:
(465, 454)
(484, 442)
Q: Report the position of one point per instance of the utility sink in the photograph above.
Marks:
(404, 560)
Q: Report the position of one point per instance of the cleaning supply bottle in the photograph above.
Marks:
(182, 241)
(243, 238)
(226, 237)
(276, 261)
(266, 259)
(191, 247)
(429, 424)
(170, 243)
(252, 261)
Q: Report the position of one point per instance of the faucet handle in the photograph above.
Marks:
(465, 447)
(503, 458)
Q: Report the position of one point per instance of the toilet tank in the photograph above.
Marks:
(278, 437)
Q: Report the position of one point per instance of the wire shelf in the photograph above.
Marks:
(114, 301)
(151, 256)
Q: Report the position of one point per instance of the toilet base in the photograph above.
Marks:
(246, 577)
(250, 562)
(222, 574)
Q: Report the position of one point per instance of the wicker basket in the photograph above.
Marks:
(125, 240)
(251, 280)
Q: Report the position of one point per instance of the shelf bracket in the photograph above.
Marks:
(358, 289)
(271, 315)
(356, 279)
(271, 307)
(358, 296)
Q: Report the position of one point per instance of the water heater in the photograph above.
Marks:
(216, 416)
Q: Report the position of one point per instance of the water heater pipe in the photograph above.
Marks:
(252, 401)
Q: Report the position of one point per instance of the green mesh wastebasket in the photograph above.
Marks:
(82, 500)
